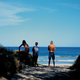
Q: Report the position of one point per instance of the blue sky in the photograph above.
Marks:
(40, 20)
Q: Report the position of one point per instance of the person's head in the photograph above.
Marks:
(51, 42)
(36, 43)
(23, 42)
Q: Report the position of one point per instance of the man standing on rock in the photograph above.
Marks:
(51, 49)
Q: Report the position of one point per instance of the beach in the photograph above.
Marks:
(43, 72)
(61, 71)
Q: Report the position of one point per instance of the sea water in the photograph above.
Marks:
(63, 55)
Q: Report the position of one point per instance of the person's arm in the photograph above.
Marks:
(28, 48)
(33, 49)
(38, 49)
(20, 47)
(54, 48)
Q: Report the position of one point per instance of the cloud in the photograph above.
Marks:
(50, 10)
(8, 14)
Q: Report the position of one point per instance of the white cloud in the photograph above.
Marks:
(8, 14)
(48, 9)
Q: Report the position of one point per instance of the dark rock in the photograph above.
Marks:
(9, 63)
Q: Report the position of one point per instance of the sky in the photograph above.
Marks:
(40, 20)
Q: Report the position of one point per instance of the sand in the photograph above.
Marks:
(43, 72)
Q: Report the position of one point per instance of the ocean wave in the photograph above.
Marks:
(61, 60)
(66, 56)
(65, 60)
(58, 56)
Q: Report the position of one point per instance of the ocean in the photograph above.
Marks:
(63, 55)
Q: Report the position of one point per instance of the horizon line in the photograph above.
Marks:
(42, 46)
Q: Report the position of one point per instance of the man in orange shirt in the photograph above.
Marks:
(51, 49)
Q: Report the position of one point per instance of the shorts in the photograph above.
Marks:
(51, 55)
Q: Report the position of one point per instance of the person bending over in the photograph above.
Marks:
(24, 53)
(25, 45)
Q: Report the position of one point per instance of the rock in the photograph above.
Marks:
(76, 65)
(9, 63)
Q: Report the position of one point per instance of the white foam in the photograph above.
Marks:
(60, 60)
(60, 65)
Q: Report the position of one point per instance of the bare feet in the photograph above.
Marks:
(49, 65)
(53, 65)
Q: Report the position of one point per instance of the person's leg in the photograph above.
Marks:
(53, 57)
(49, 60)
(36, 60)
(54, 63)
